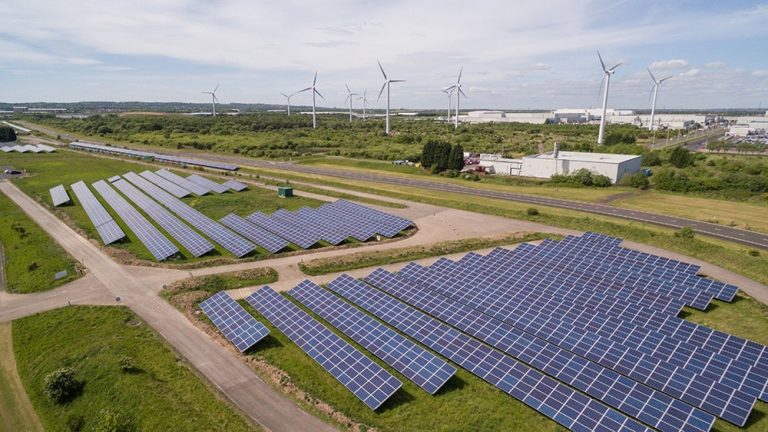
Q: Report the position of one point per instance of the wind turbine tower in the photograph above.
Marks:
(349, 97)
(214, 99)
(288, 99)
(449, 92)
(607, 72)
(459, 94)
(386, 84)
(314, 92)
(364, 98)
(656, 84)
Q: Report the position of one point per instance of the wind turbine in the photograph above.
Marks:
(656, 84)
(449, 92)
(288, 98)
(459, 94)
(386, 84)
(214, 99)
(364, 98)
(349, 97)
(314, 92)
(607, 77)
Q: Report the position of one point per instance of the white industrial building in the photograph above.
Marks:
(614, 166)
(592, 115)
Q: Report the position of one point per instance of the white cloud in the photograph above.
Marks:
(540, 66)
(669, 64)
(691, 73)
(760, 73)
(716, 65)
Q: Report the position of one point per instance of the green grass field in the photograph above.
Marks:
(67, 167)
(161, 394)
(16, 411)
(32, 258)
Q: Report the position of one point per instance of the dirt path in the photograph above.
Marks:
(16, 411)
(2, 268)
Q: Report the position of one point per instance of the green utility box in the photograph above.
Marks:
(284, 191)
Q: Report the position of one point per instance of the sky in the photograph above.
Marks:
(514, 54)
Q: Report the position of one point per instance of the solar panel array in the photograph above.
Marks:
(182, 182)
(113, 179)
(230, 241)
(59, 195)
(157, 244)
(555, 400)
(208, 184)
(237, 325)
(235, 185)
(363, 377)
(420, 366)
(196, 244)
(167, 185)
(254, 233)
(108, 229)
(149, 155)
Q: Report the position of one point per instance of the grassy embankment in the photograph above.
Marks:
(32, 258)
(160, 392)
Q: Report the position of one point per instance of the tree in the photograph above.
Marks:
(7, 134)
(651, 158)
(61, 385)
(680, 157)
(456, 158)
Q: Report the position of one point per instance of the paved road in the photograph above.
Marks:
(223, 369)
(723, 232)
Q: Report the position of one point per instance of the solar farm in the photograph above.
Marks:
(150, 205)
(582, 330)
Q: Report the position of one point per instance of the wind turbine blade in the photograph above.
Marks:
(315, 80)
(318, 93)
(382, 69)
(462, 93)
(602, 63)
(348, 96)
(460, 71)
(284, 95)
(217, 87)
(382, 90)
(348, 90)
(664, 79)
(614, 68)
(651, 74)
(396, 80)
(303, 90)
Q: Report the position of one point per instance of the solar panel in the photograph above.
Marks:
(107, 228)
(563, 305)
(157, 244)
(235, 185)
(168, 186)
(542, 393)
(255, 233)
(371, 383)
(149, 155)
(114, 179)
(705, 393)
(299, 220)
(386, 224)
(292, 233)
(184, 183)
(208, 184)
(420, 366)
(237, 325)
(46, 148)
(232, 242)
(59, 195)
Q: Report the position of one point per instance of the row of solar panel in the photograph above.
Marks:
(156, 156)
(27, 148)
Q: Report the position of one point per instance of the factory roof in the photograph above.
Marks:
(587, 157)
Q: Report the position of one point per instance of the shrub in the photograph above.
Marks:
(75, 423)
(651, 158)
(680, 157)
(452, 173)
(754, 252)
(110, 421)
(638, 180)
(532, 211)
(686, 232)
(60, 385)
(601, 181)
(127, 364)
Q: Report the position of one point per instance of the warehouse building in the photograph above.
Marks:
(614, 166)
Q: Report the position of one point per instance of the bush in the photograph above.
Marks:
(532, 211)
(7, 134)
(601, 181)
(110, 421)
(680, 158)
(452, 173)
(637, 180)
(127, 364)
(754, 252)
(75, 423)
(686, 232)
(652, 158)
(61, 386)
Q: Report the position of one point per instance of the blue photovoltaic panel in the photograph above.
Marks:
(114, 179)
(230, 241)
(300, 220)
(235, 185)
(705, 393)
(184, 183)
(108, 229)
(156, 156)
(196, 244)
(363, 377)
(59, 195)
(420, 366)
(254, 233)
(475, 281)
(557, 401)
(208, 184)
(237, 325)
(292, 233)
(166, 185)
(157, 244)
(390, 225)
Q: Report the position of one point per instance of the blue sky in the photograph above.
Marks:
(516, 55)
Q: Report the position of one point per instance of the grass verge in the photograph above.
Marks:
(159, 393)
(369, 259)
(212, 284)
(16, 411)
(32, 258)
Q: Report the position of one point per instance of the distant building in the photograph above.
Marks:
(614, 166)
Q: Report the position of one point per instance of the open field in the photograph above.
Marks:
(31, 256)
(222, 281)
(161, 393)
(16, 411)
